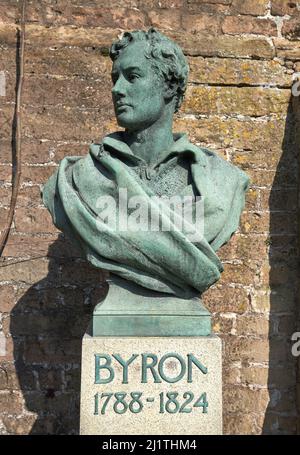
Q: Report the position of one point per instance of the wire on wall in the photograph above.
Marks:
(16, 151)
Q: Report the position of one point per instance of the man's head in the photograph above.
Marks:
(149, 72)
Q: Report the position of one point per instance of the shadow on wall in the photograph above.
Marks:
(47, 326)
(281, 414)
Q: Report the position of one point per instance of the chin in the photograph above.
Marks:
(122, 120)
(127, 123)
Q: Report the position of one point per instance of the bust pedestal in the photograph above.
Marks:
(150, 366)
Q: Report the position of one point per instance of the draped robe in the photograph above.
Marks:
(164, 261)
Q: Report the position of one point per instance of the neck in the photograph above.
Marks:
(153, 143)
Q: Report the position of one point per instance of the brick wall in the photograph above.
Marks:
(242, 55)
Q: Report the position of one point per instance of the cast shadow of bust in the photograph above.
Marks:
(281, 413)
(47, 326)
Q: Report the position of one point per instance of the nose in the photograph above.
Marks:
(119, 87)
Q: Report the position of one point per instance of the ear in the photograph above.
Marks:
(170, 90)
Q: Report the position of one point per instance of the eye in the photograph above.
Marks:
(132, 77)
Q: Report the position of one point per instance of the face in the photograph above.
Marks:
(138, 93)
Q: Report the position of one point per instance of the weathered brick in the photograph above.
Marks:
(23, 271)
(213, 2)
(3, 378)
(252, 201)
(282, 178)
(34, 220)
(9, 11)
(87, 63)
(238, 71)
(7, 298)
(258, 349)
(5, 196)
(32, 246)
(5, 173)
(48, 14)
(242, 397)
(282, 7)
(6, 119)
(235, 133)
(39, 35)
(114, 3)
(163, 4)
(249, 246)
(5, 324)
(252, 324)
(19, 425)
(8, 94)
(287, 50)
(275, 223)
(253, 159)
(255, 376)
(242, 100)
(291, 28)
(209, 23)
(67, 92)
(14, 377)
(235, 25)
(165, 19)
(9, 351)
(226, 299)
(37, 174)
(29, 196)
(91, 16)
(237, 273)
(32, 152)
(223, 45)
(12, 402)
(209, 6)
(241, 423)
(231, 375)
(222, 323)
(3, 217)
(251, 7)
(64, 123)
(60, 151)
(276, 301)
(8, 35)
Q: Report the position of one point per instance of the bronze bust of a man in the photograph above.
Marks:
(146, 161)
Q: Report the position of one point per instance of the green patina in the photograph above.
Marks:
(149, 80)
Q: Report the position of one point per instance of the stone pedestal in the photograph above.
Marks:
(130, 310)
(151, 385)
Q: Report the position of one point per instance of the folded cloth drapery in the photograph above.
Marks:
(165, 261)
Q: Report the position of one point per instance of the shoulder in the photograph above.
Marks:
(219, 167)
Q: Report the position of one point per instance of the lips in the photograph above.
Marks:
(122, 105)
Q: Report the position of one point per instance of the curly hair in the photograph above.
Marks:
(166, 57)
